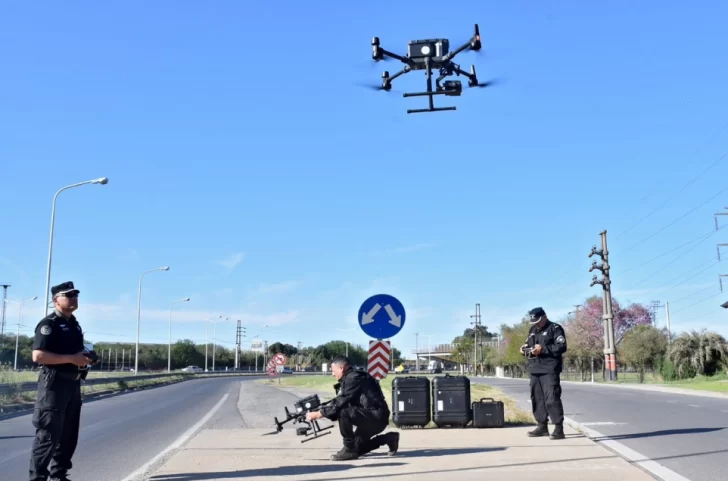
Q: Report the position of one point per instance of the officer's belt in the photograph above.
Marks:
(71, 376)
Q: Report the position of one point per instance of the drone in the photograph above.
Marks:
(429, 55)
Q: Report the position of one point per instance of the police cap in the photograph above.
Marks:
(536, 314)
(63, 288)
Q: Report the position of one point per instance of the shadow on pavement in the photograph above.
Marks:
(280, 471)
(433, 452)
(664, 432)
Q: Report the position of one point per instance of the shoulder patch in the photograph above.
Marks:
(45, 330)
(560, 340)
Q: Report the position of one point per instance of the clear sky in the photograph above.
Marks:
(243, 152)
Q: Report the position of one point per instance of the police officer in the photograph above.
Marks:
(360, 403)
(59, 349)
(544, 348)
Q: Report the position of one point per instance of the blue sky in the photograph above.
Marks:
(243, 153)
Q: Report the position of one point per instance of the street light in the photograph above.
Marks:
(214, 339)
(101, 181)
(139, 315)
(20, 319)
(169, 348)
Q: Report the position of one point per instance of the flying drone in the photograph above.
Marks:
(429, 55)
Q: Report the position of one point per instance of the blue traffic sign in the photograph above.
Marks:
(381, 316)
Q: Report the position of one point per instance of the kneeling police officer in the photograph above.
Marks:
(360, 403)
(544, 348)
(59, 349)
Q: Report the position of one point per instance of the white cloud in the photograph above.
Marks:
(232, 261)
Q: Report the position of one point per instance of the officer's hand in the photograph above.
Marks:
(523, 347)
(537, 349)
(80, 360)
(313, 415)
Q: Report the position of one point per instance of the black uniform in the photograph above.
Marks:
(57, 411)
(360, 402)
(545, 370)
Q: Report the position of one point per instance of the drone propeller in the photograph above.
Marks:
(373, 86)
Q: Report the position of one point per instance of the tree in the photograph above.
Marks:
(643, 347)
(698, 353)
(585, 330)
(185, 353)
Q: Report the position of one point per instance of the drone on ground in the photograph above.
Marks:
(428, 55)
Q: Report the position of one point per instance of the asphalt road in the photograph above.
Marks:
(121, 433)
(686, 434)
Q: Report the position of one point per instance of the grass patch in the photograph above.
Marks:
(514, 415)
(13, 377)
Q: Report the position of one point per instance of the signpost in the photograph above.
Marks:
(275, 361)
(379, 355)
(381, 317)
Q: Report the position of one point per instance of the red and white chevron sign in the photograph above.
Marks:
(379, 356)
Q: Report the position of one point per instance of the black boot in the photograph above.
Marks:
(345, 455)
(541, 430)
(392, 443)
(558, 432)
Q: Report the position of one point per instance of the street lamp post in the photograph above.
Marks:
(214, 339)
(139, 316)
(101, 181)
(20, 319)
(169, 347)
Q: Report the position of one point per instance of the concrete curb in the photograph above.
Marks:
(633, 457)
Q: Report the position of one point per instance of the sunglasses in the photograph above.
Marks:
(70, 295)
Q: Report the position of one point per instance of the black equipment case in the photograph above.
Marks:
(411, 401)
(451, 401)
(488, 413)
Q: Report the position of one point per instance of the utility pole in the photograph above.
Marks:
(417, 351)
(2, 323)
(299, 355)
(610, 353)
(238, 341)
(476, 323)
(655, 307)
(667, 322)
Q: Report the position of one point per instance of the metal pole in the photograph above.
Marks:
(667, 320)
(17, 338)
(2, 326)
(214, 342)
(101, 181)
(139, 316)
(206, 343)
(417, 353)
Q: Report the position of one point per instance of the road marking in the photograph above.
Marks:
(693, 405)
(179, 442)
(724, 411)
(645, 463)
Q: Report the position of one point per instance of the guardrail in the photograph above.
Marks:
(15, 388)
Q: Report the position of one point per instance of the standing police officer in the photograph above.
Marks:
(58, 347)
(544, 348)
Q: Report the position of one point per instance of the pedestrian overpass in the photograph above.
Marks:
(444, 352)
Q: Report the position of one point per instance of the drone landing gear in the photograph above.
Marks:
(451, 88)
(316, 431)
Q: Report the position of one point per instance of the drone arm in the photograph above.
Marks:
(460, 71)
(387, 53)
(405, 70)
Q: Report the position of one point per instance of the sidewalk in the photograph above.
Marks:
(424, 455)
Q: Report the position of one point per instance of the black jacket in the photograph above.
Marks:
(552, 339)
(358, 389)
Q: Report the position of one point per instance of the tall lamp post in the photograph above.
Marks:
(101, 181)
(214, 338)
(169, 347)
(139, 315)
(17, 334)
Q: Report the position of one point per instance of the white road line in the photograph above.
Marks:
(179, 442)
(603, 423)
(693, 405)
(724, 411)
(645, 463)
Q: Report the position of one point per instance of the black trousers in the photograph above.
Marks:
(56, 418)
(368, 423)
(546, 398)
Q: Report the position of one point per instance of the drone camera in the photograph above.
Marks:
(452, 87)
(419, 49)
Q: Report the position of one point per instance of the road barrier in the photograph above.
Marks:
(14, 388)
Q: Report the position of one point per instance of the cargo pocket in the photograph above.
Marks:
(48, 423)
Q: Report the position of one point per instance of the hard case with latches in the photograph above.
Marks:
(451, 401)
(488, 413)
(411, 401)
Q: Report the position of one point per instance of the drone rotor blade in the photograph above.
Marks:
(372, 86)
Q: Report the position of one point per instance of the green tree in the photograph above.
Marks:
(643, 347)
(696, 352)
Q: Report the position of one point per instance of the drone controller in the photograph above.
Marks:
(428, 55)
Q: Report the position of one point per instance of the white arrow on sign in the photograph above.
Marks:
(368, 317)
(394, 319)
